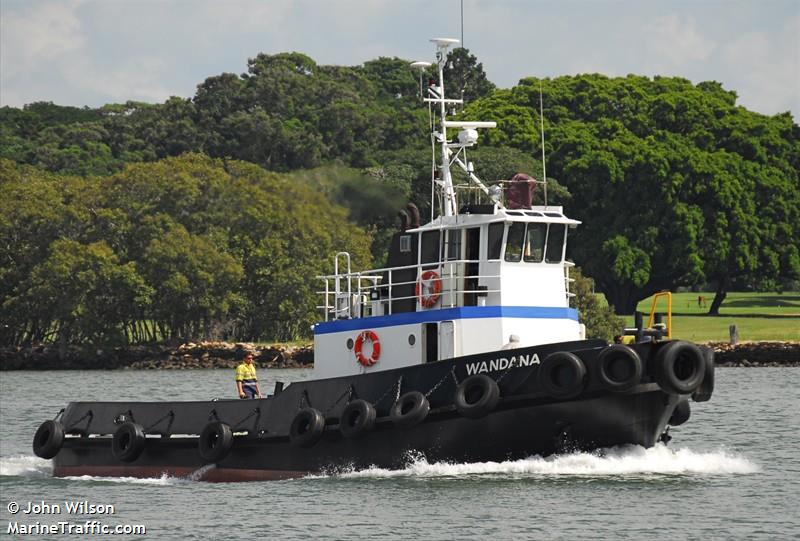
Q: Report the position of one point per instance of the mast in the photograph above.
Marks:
(449, 192)
(466, 138)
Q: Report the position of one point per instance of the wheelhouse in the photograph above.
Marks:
(476, 278)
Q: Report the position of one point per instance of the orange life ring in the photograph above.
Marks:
(376, 348)
(429, 301)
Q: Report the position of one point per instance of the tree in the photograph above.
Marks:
(672, 181)
(189, 272)
(184, 247)
(464, 76)
(600, 320)
(85, 292)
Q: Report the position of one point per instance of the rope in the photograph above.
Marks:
(88, 414)
(304, 400)
(255, 411)
(348, 393)
(170, 414)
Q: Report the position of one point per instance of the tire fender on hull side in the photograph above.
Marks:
(48, 439)
(358, 418)
(620, 368)
(307, 427)
(128, 442)
(215, 441)
(476, 396)
(679, 367)
(706, 389)
(410, 409)
(562, 375)
(680, 414)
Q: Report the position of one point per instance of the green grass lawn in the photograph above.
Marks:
(758, 316)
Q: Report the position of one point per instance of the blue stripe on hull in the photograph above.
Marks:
(427, 316)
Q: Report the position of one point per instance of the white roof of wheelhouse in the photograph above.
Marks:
(549, 214)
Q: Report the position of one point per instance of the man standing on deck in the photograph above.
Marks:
(246, 379)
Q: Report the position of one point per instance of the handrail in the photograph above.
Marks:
(358, 298)
(373, 291)
(651, 319)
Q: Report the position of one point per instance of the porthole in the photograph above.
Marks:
(350, 343)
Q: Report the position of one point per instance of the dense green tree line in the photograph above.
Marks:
(285, 113)
(183, 247)
(675, 183)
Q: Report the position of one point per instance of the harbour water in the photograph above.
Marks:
(731, 472)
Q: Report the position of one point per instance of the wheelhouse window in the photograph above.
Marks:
(405, 243)
(516, 234)
(430, 247)
(495, 242)
(555, 243)
(534, 243)
(453, 244)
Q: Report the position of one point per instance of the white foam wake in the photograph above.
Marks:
(25, 466)
(164, 480)
(32, 466)
(617, 461)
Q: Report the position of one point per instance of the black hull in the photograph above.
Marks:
(525, 422)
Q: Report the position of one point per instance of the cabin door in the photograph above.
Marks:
(430, 338)
(472, 269)
(447, 340)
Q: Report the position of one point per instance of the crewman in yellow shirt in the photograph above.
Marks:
(246, 378)
(626, 339)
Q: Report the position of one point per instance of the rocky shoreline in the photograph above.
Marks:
(190, 355)
(223, 355)
(756, 353)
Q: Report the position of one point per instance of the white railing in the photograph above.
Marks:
(567, 280)
(367, 294)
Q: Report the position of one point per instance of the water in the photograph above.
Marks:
(733, 471)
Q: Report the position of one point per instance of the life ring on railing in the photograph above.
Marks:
(429, 301)
(376, 348)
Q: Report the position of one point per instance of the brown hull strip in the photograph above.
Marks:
(212, 475)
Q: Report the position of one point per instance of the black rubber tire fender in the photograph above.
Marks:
(680, 414)
(410, 409)
(215, 441)
(562, 375)
(358, 418)
(48, 439)
(679, 367)
(706, 389)
(476, 396)
(619, 368)
(307, 427)
(128, 442)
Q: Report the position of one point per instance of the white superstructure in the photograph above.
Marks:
(463, 284)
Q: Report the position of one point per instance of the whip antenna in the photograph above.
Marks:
(541, 125)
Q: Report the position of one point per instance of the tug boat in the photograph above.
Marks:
(463, 349)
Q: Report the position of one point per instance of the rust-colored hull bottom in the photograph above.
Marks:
(212, 475)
